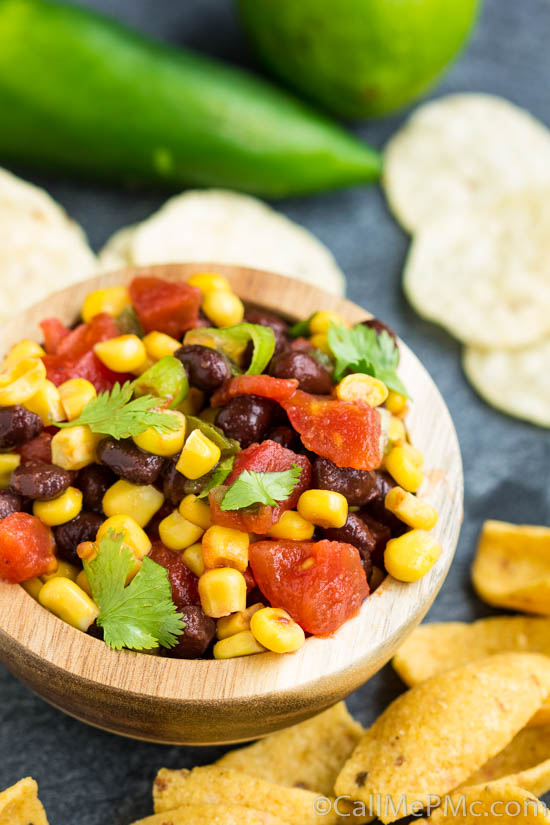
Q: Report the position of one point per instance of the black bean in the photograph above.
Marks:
(246, 418)
(10, 503)
(355, 532)
(94, 481)
(206, 368)
(198, 634)
(301, 365)
(174, 484)
(267, 319)
(358, 486)
(381, 534)
(376, 506)
(129, 462)
(69, 535)
(285, 436)
(379, 327)
(38, 480)
(17, 426)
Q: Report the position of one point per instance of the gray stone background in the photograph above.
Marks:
(88, 777)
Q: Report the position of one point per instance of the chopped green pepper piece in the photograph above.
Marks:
(228, 446)
(233, 341)
(166, 379)
(128, 323)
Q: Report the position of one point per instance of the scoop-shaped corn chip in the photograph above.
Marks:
(512, 567)
(19, 805)
(221, 786)
(309, 755)
(211, 815)
(499, 802)
(525, 762)
(432, 738)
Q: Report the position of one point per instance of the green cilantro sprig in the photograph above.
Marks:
(140, 615)
(362, 349)
(115, 414)
(260, 488)
(218, 475)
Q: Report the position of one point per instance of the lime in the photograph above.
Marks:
(358, 58)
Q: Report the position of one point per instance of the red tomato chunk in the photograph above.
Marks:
(184, 583)
(345, 432)
(277, 389)
(165, 306)
(26, 548)
(267, 457)
(321, 584)
(54, 331)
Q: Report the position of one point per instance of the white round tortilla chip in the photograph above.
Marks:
(459, 150)
(116, 253)
(230, 228)
(484, 272)
(41, 249)
(516, 382)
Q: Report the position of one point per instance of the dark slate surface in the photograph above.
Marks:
(88, 777)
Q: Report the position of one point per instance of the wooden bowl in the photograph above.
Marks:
(212, 702)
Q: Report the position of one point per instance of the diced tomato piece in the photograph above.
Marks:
(184, 583)
(84, 337)
(277, 389)
(267, 457)
(346, 432)
(321, 584)
(26, 548)
(38, 449)
(165, 306)
(249, 579)
(54, 331)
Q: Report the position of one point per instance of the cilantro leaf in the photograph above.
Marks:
(260, 488)
(362, 349)
(140, 615)
(113, 413)
(218, 475)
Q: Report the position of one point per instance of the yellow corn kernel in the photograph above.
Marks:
(225, 547)
(412, 555)
(132, 535)
(69, 602)
(126, 353)
(325, 508)
(167, 443)
(410, 509)
(141, 501)
(22, 381)
(237, 622)
(74, 448)
(61, 509)
(320, 341)
(396, 403)
(321, 321)
(292, 525)
(47, 403)
(198, 457)
(20, 352)
(361, 387)
(75, 394)
(192, 556)
(402, 465)
(196, 510)
(33, 586)
(376, 578)
(241, 644)
(177, 532)
(209, 282)
(193, 402)
(82, 581)
(224, 309)
(8, 463)
(158, 345)
(396, 431)
(222, 591)
(112, 300)
(274, 629)
(65, 569)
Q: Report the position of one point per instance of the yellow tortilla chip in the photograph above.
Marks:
(211, 815)
(431, 739)
(499, 802)
(221, 786)
(309, 755)
(512, 567)
(525, 762)
(19, 805)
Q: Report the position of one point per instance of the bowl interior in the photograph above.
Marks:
(283, 689)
